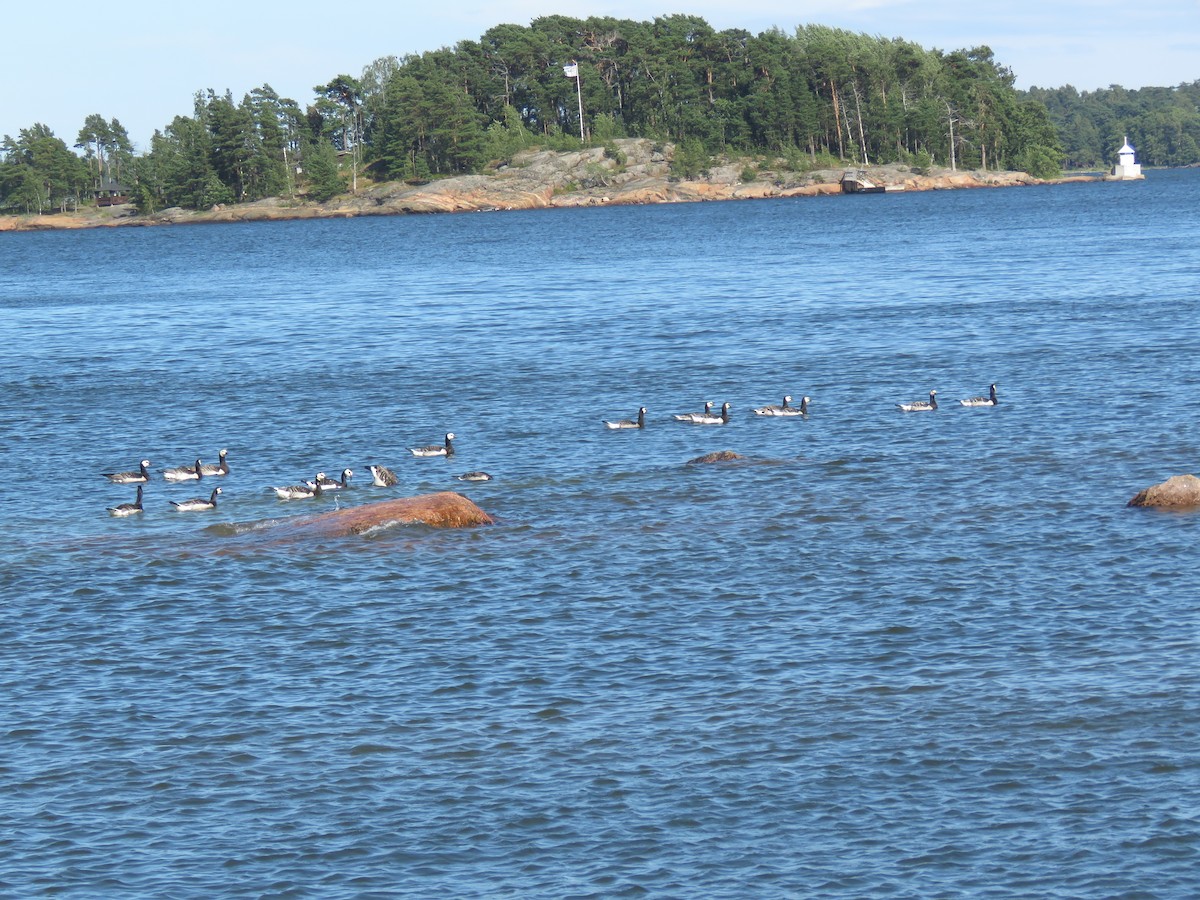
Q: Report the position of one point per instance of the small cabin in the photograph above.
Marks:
(111, 193)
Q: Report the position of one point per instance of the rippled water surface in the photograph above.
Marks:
(883, 655)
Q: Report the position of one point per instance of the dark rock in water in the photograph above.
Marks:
(441, 510)
(1177, 492)
(718, 456)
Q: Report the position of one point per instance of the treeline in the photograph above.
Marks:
(814, 98)
(1163, 123)
(820, 92)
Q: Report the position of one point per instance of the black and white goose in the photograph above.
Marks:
(775, 409)
(198, 503)
(784, 409)
(639, 422)
(474, 476)
(920, 405)
(382, 476)
(990, 400)
(332, 484)
(305, 491)
(692, 417)
(446, 449)
(714, 419)
(222, 468)
(141, 476)
(184, 473)
(128, 509)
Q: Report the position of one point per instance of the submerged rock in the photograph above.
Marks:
(715, 457)
(1177, 492)
(445, 509)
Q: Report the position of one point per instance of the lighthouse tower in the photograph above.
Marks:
(1126, 169)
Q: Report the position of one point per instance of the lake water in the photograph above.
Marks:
(887, 654)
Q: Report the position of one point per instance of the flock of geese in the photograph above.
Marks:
(707, 417)
(381, 476)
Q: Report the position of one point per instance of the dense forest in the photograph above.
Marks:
(1163, 123)
(819, 97)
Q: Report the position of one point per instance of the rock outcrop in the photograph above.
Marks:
(1180, 492)
(446, 509)
(631, 171)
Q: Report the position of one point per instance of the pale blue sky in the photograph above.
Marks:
(142, 62)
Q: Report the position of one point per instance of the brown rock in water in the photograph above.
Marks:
(716, 457)
(1177, 492)
(446, 509)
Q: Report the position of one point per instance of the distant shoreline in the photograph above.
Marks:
(544, 180)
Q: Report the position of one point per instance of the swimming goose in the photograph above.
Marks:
(184, 473)
(198, 504)
(982, 401)
(332, 484)
(446, 449)
(141, 476)
(692, 417)
(221, 468)
(128, 509)
(714, 420)
(382, 476)
(474, 476)
(920, 405)
(640, 422)
(774, 410)
(305, 491)
(784, 409)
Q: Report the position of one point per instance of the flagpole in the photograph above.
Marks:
(579, 98)
(572, 71)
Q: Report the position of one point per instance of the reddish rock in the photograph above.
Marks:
(446, 509)
(1177, 492)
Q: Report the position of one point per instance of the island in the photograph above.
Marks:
(629, 171)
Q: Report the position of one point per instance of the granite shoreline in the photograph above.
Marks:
(639, 173)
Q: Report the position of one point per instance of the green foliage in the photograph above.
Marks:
(505, 139)
(823, 93)
(1040, 153)
(1040, 162)
(320, 171)
(145, 199)
(794, 159)
(816, 98)
(38, 173)
(604, 128)
(227, 152)
(797, 160)
(1163, 123)
(922, 162)
(749, 174)
(214, 192)
(616, 154)
(691, 160)
(555, 139)
(107, 150)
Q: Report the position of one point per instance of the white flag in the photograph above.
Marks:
(571, 71)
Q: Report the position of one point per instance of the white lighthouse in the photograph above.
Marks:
(1126, 169)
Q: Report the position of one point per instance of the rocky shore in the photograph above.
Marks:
(543, 179)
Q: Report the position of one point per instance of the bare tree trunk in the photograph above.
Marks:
(837, 117)
(950, 117)
(862, 135)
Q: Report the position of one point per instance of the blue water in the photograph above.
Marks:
(885, 655)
